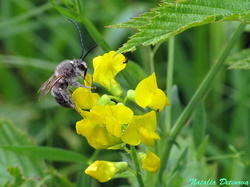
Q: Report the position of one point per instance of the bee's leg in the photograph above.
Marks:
(67, 98)
(77, 84)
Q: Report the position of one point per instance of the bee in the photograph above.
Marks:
(66, 75)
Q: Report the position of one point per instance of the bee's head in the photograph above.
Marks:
(80, 67)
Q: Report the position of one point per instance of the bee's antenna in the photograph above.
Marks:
(86, 54)
(80, 34)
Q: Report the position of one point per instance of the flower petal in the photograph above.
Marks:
(88, 79)
(103, 171)
(116, 116)
(96, 135)
(106, 68)
(130, 135)
(159, 100)
(84, 98)
(147, 94)
(151, 162)
(141, 129)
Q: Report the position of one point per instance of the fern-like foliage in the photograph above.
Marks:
(171, 18)
(240, 60)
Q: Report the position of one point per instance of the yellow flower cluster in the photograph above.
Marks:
(109, 124)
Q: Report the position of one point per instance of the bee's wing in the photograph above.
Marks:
(48, 85)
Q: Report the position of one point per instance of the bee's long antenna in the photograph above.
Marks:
(80, 34)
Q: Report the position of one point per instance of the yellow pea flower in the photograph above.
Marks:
(102, 126)
(83, 98)
(96, 134)
(88, 79)
(106, 68)
(150, 162)
(116, 116)
(147, 94)
(141, 129)
(103, 171)
(113, 117)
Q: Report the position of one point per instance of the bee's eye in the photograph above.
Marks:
(81, 67)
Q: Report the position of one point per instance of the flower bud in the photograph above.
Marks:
(103, 171)
(131, 95)
(105, 100)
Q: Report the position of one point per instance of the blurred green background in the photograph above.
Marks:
(34, 38)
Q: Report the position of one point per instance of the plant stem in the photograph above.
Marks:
(151, 60)
(205, 85)
(169, 81)
(93, 156)
(137, 166)
(94, 33)
(198, 95)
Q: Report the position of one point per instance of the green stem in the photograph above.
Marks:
(137, 166)
(151, 61)
(199, 94)
(169, 81)
(94, 33)
(93, 156)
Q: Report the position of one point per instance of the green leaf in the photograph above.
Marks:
(67, 9)
(18, 178)
(202, 148)
(29, 167)
(19, 61)
(178, 164)
(55, 179)
(199, 125)
(47, 153)
(172, 18)
(240, 60)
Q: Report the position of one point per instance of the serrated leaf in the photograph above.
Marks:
(240, 60)
(47, 153)
(172, 18)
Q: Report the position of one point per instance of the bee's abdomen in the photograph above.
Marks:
(65, 103)
(62, 97)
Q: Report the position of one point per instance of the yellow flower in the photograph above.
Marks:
(150, 162)
(83, 98)
(141, 129)
(106, 68)
(116, 116)
(147, 94)
(103, 171)
(88, 79)
(102, 126)
(96, 134)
